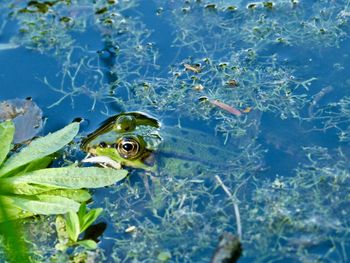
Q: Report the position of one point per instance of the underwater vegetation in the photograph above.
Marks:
(304, 212)
(231, 117)
(225, 25)
(333, 116)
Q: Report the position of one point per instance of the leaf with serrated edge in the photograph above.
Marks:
(41, 147)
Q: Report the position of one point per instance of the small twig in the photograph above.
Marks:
(235, 206)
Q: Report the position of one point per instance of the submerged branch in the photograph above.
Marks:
(235, 206)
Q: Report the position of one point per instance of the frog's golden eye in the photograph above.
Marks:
(128, 148)
(125, 123)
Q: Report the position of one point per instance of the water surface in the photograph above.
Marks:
(284, 65)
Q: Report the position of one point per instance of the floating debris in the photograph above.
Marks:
(316, 98)
(247, 110)
(194, 68)
(252, 5)
(26, 116)
(7, 46)
(231, 8)
(228, 250)
(130, 229)
(101, 11)
(226, 107)
(210, 6)
(198, 87)
(232, 83)
(268, 4)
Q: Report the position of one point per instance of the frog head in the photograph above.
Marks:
(132, 139)
(127, 138)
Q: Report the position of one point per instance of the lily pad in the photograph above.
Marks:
(26, 116)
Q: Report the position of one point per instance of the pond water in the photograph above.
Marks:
(253, 103)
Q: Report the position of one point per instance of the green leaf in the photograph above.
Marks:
(81, 213)
(12, 236)
(64, 178)
(32, 166)
(14, 213)
(88, 244)
(90, 217)
(43, 204)
(72, 225)
(23, 188)
(40, 148)
(36, 165)
(79, 195)
(7, 130)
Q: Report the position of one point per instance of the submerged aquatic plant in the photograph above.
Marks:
(331, 117)
(180, 211)
(98, 72)
(217, 26)
(295, 216)
(49, 26)
(242, 82)
(73, 224)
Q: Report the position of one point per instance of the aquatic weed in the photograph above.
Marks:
(259, 86)
(258, 24)
(333, 117)
(183, 213)
(306, 211)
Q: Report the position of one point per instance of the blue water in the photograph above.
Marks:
(289, 148)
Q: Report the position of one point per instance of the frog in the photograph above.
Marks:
(128, 138)
(138, 140)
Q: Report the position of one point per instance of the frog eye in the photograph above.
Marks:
(128, 148)
(125, 123)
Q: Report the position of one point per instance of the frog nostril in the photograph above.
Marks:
(102, 145)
